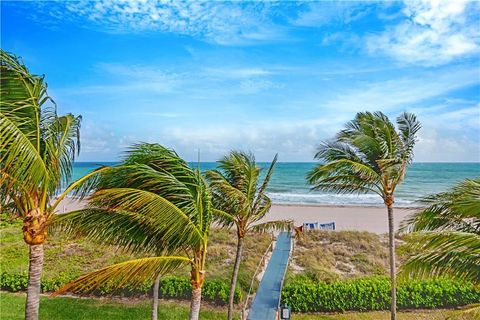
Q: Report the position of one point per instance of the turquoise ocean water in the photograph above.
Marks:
(288, 185)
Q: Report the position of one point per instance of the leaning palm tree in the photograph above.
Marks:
(369, 156)
(153, 202)
(37, 149)
(447, 235)
(242, 200)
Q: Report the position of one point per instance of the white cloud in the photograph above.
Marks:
(403, 92)
(235, 73)
(227, 23)
(449, 135)
(255, 86)
(325, 12)
(130, 78)
(435, 32)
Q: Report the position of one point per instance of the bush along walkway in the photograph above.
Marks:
(370, 294)
(302, 295)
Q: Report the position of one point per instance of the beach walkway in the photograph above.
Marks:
(267, 299)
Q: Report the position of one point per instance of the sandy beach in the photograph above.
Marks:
(360, 218)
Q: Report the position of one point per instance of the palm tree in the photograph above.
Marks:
(37, 149)
(242, 201)
(447, 235)
(369, 156)
(153, 202)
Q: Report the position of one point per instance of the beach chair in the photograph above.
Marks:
(310, 226)
(318, 226)
(327, 226)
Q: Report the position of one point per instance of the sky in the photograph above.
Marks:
(269, 77)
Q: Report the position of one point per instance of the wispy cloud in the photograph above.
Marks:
(319, 13)
(227, 23)
(434, 33)
(404, 92)
(120, 78)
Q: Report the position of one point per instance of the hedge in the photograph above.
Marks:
(368, 294)
(215, 290)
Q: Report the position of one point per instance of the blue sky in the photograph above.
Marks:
(269, 77)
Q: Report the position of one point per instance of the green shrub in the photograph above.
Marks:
(369, 294)
(214, 290)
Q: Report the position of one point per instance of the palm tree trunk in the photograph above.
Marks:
(195, 303)
(393, 276)
(156, 286)
(34, 276)
(233, 281)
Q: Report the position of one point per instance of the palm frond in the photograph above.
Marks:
(260, 196)
(134, 273)
(131, 231)
(223, 218)
(369, 155)
(279, 225)
(408, 125)
(177, 225)
(457, 209)
(344, 176)
(37, 147)
(452, 253)
(63, 140)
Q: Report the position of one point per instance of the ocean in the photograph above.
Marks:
(288, 184)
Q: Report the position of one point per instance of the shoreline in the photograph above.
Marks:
(341, 205)
(302, 205)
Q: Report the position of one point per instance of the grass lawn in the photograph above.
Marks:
(12, 307)
(63, 308)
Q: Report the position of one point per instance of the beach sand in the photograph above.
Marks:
(360, 218)
(372, 219)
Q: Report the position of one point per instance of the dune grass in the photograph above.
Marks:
(328, 256)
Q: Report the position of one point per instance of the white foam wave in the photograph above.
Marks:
(332, 199)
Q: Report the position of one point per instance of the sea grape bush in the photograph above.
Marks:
(215, 290)
(366, 294)
(300, 293)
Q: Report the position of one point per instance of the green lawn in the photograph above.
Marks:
(12, 307)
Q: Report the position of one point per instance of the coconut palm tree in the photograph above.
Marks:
(369, 156)
(241, 197)
(153, 202)
(447, 235)
(37, 149)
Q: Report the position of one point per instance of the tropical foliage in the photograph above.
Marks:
(241, 197)
(367, 294)
(152, 203)
(37, 148)
(369, 156)
(447, 235)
